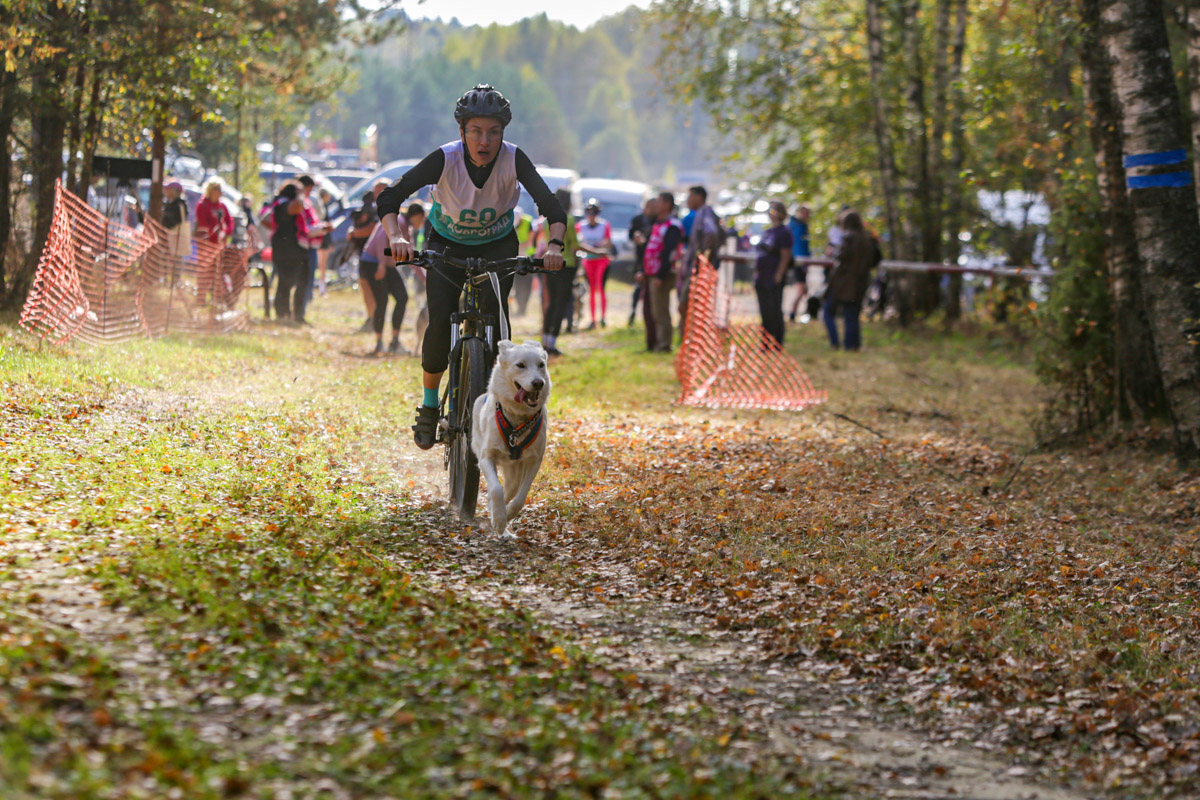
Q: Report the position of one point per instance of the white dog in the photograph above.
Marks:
(509, 433)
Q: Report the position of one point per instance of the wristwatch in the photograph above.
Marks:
(559, 242)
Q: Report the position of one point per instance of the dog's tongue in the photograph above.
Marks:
(520, 398)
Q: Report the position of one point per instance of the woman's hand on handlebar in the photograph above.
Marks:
(552, 260)
(402, 249)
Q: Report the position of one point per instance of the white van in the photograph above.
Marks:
(620, 201)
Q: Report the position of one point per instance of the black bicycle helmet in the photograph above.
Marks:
(482, 101)
(592, 204)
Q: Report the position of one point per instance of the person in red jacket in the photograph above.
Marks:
(213, 220)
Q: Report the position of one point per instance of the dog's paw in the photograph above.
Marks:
(508, 536)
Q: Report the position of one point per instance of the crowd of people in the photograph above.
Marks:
(667, 250)
(668, 246)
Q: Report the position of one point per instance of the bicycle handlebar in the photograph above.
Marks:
(474, 266)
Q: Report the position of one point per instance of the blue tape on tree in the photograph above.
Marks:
(1167, 179)
(1156, 159)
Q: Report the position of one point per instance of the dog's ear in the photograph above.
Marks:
(534, 343)
(505, 345)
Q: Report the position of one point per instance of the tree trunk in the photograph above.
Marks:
(940, 112)
(158, 150)
(888, 183)
(958, 157)
(927, 240)
(95, 118)
(1159, 184)
(49, 120)
(920, 240)
(8, 90)
(1139, 391)
(75, 127)
(1191, 24)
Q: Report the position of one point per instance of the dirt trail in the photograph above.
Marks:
(799, 711)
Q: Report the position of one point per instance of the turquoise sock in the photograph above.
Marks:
(431, 398)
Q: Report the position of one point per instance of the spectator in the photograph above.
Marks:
(386, 280)
(290, 259)
(704, 239)
(365, 221)
(835, 235)
(214, 223)
(560, 285)
(175, 220)
(595, 240)
(529, 232)
(849, 279)
(326, 246)
(639, 232)
(415, 215)
(312, 231)
(771, 267)
(798, 225)
(658, 273)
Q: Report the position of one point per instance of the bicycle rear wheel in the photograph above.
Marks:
(464, 469)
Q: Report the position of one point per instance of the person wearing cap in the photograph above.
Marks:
(595, 240)
(477, 181)
(771, 267)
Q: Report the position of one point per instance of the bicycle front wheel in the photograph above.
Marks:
(464, 469)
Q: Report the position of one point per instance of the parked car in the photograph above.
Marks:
(620, 202)
(346, 179)
(556, 178)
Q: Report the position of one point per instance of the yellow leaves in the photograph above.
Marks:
(561, 655)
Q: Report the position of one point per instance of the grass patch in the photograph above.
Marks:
(240, 495)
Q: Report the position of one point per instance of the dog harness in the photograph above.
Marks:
(520, 437)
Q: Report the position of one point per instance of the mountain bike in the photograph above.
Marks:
(473, 348)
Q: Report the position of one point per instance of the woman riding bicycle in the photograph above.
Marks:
(475, 191)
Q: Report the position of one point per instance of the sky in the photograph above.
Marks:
(485, 12)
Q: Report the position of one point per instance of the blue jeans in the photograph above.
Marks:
(850, 319)
(312, 275)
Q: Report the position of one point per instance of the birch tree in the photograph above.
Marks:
(1159, 186)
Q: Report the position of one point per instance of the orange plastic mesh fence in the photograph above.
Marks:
(726, 365)
(100, 282)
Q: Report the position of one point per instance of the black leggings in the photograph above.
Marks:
(561, 285)
(392, 284)
(443, 288)
(291, 269)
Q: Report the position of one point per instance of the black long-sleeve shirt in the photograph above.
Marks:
(429, 171)
(672, 237)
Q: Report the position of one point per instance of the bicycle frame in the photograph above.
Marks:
(467, 323)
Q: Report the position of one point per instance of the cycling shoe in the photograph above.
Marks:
(425, 431)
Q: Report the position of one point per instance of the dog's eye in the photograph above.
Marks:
(542, 365)
(520, 365)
